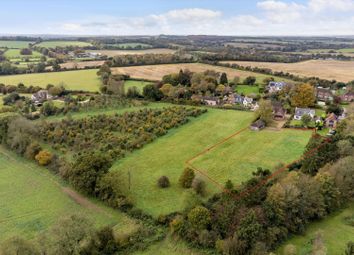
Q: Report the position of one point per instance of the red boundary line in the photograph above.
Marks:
(262, 182)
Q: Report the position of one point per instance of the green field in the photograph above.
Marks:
(15, 55)
(237, 158)
(171, 247)
(132, 45)
(336, 234)
(344, 50)
(247, 89)
(53, 44)
(14, 44)
(134, 83)
(168, 154)
(74, 80)
(32, 199)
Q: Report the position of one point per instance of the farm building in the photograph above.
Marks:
(299, 112)
(257, 125)
(323, 94)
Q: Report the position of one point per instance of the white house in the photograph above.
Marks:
(247, 101)
(274, 86)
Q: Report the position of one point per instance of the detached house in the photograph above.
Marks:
(299, 112)
(40, 97)
(348, 97)
(212, 101)
(247, 101)
(331, 120)
(323, 94)
(274, 86)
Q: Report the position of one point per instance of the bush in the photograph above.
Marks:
(44, 158)
(199, 186)
(163, 182)
(32, 150)
(186, 178)
(199, 217)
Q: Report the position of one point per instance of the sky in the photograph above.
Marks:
(178, 17)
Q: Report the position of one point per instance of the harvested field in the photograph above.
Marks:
(156, 72)
(112, 53)
(325, 69)
(82, 64)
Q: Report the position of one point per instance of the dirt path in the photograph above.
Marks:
(83, 201)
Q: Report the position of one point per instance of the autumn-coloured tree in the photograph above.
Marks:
(303, 95)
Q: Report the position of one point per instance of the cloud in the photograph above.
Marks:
(272, 17)
(331, 5)
(280, 12)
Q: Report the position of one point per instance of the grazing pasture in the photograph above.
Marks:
(53, 44)
(112, 53)
(135, 83)
(336, 233)
(235, 159)
(31, 199)
(14, 44)
(325, 69)
(14, 54)
(74, 80)
(156, 72)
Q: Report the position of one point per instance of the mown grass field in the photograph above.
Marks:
(247, 89)
(31, 199)
(14, 44)
(53, 44)
(336, 234)
(156, 72)
(236, 159)
(74, 80)
(325, 69)
(112, 53)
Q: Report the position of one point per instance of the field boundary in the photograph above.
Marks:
(262, 182)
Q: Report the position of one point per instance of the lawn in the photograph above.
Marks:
(31, 199)
(156, 72)
(53, 44)
(247, 89)
(86, 80)
(168, 154)
(336, 234)
(135, 83)
(14, 44)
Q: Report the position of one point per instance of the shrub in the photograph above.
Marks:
(199, 186)
(32, 150)
(163, 182)
(186, 178)
(44, 158)
(199, 217)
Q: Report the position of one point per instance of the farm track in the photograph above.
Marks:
(78, 198)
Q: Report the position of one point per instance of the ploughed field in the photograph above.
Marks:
(325, 69)
(32, 199)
